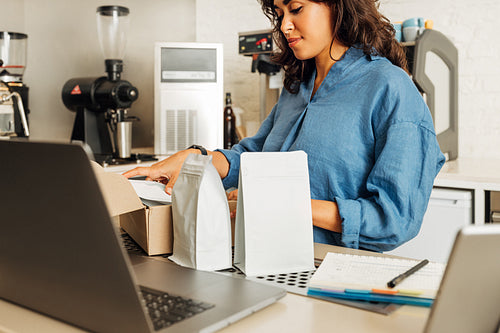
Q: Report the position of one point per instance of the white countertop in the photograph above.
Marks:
(460, 171)
(470, 171)
(475, 174)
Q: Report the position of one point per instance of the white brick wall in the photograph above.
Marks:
(471, 25)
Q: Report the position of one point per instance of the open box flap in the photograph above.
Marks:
(118, 193)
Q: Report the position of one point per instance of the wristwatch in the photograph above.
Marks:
(200, 148)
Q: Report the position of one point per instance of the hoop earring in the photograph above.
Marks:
(330, 53)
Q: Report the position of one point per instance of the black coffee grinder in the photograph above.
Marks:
(101, 103)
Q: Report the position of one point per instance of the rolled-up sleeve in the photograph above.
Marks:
(399, 186)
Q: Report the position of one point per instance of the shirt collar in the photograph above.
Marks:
(338, 70)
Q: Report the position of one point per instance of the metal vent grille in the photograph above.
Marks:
(181, 129)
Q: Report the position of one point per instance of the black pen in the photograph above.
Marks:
(401, 277)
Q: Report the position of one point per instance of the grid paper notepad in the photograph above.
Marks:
(342, 272)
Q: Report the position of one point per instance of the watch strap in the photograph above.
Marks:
(200, 148)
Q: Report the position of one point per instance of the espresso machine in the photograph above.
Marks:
(101, 103)
(13, 92)
(259, 45)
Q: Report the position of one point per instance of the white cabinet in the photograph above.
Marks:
(447, 212)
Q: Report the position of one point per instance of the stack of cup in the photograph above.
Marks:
(397, 29)
(412, 28)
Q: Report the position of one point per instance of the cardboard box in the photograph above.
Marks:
(150, 227)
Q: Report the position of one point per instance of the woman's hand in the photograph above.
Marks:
(233, 195)
(165, 171)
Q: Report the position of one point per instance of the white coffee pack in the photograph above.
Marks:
(201, 220)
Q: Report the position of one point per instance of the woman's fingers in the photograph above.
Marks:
(139, 171)
(233, 195)
(170, 183)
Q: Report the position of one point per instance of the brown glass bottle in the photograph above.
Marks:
(229, 124)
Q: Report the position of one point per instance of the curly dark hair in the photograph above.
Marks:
(356, 23)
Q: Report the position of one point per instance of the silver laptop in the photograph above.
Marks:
(61, 255)
(468, 299)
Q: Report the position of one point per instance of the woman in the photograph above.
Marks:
(350, 105)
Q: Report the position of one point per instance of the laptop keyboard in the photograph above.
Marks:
(166, 309)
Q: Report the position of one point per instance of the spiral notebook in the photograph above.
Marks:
(365, 278)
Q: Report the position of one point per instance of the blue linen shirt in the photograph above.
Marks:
(371, 148)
